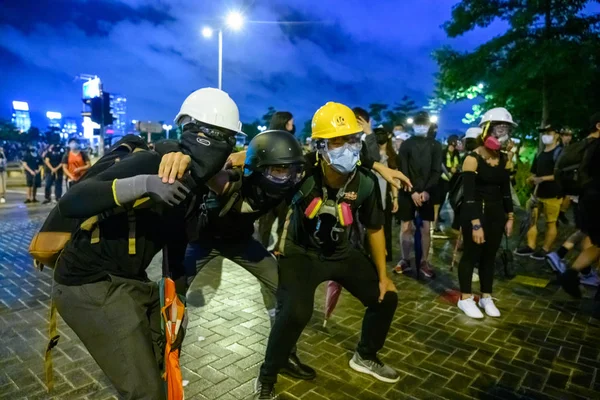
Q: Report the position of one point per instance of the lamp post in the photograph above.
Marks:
(234, 21)
(168, 129)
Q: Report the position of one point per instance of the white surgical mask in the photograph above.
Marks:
(547, 139)
(421, 130)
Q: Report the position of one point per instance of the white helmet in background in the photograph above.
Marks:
(498, 114)
(211, 106)
(473, 133)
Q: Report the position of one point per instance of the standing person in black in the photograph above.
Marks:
(54, 172)
(281, 121)
(32, 163)
(486, 214)
(421, 161)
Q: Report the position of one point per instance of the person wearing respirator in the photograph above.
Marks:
(547, 192)
(487, 211)
(317, 248)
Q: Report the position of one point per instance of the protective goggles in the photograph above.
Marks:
(221, 135)
(501, 130)
(353, 142)
(284, 174)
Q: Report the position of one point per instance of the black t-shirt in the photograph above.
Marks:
(156, 226)
(302, 230)
(237, 223)
(55, 157)
(543, 165)
(420, 159)
(33, 162)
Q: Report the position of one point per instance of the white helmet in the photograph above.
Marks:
(211, 106)
(473, 133)
(498, 114)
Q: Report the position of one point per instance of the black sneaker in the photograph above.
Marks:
(524, 252)
(35, 201)
(27, 201)
(47, 201)
(264, 391)
(296, 369)
(539, 255)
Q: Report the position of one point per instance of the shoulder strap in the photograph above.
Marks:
(366, 184)
(234, 195)
(305, 189)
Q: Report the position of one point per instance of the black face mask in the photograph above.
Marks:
(261, 193)
(382, 138)
(208, 155)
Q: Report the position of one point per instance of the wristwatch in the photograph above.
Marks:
(476, 227)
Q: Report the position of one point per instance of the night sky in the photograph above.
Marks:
(152, 51)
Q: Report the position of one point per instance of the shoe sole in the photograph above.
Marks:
(401, 272)
(537, 258)
(523, 254)
(367, 371)
(287, 372)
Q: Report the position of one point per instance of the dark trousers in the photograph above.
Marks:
(483, 255)
(55, 180)
(118, 321)
(248, 253)
(387, 229)
(300, 272)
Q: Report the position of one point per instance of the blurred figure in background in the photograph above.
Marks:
(389, 194)
(280, 121)
(75, 162)
(32, 164)
(53, 172)
(450, 166)
(3, 175)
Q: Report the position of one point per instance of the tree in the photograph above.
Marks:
(267, 117)
(400, 112)
(544, 68)
(306, 131)
(251, 129)
(8, 131)
(376, 110)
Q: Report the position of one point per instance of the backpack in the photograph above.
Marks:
(56, 231)
(568, 168)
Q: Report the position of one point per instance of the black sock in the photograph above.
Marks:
(586, 270)
(562, 252)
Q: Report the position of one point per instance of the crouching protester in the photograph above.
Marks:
(316, 248)
(101, 288)
(273, 166)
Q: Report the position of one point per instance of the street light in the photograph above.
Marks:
(409, 120)
(433, 119)
(234, 21)
(480, 86)
(207, 32)
(167, 128)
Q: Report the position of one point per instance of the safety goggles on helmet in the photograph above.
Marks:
(284, 174)
(353, 142)
(190, 124)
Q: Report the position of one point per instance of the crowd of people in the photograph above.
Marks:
(335, 208)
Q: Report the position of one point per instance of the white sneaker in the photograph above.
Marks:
(469, 307)
(487, 303)
(2, 200)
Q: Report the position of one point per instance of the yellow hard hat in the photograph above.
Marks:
(334, 120)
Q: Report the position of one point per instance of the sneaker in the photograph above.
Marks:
(47, 201)
(569, 281)
(27, 201)
(469, 307)
(475, 277)
(539, 255)
(427, 270)
(554, 261)
(487, 303)
(375, 368)
(2, 200)
(590, 279)
(524, 251)
(264, 391)
(35, 201)
(402, 267)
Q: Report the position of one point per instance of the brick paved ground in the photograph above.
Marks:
(544, 346)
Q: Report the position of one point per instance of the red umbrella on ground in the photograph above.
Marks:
(334, 290)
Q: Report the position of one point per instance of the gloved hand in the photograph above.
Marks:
(131, 189)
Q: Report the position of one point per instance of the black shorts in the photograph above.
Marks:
(407, 208)
(31, 180)
(589, 215)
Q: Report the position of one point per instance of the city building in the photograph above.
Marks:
(118, 104)
(20, 115)
(54, 119)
